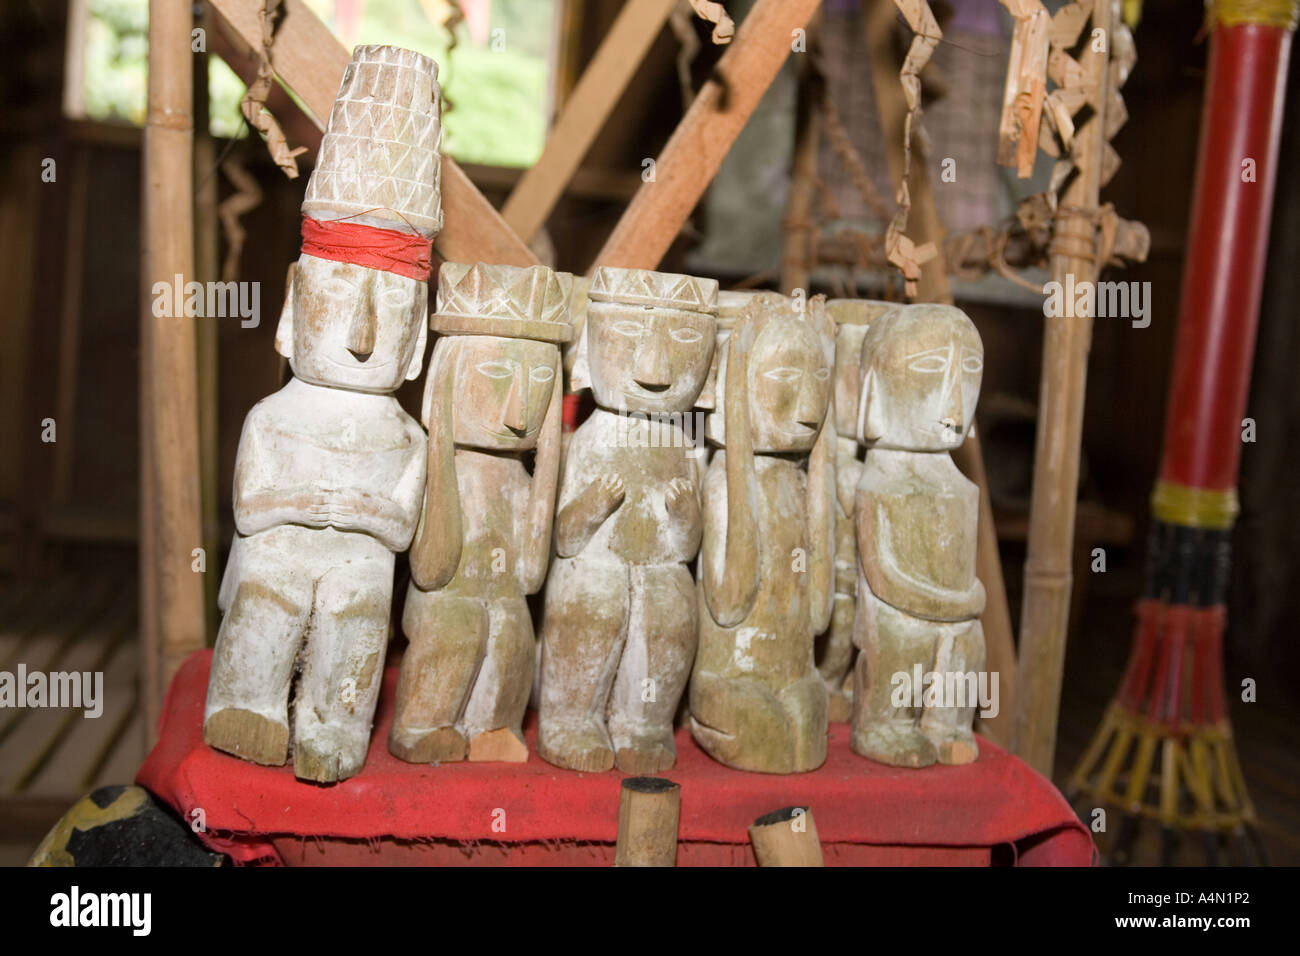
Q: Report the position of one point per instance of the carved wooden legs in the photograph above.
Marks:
(275, 601)
(654, 668)
(617, 643)
(464, 680)
(247, 711)
(835, 658)
(343, 665)
(583, 629)
(898, 653)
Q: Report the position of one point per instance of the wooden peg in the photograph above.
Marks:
(648, 811)
(786, 837)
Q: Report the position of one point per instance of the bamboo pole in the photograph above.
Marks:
(786, 837)
(172, 594)
(207, 268)
(925, 226)
(1045, 612)
(691, 158)
(648, 812)
(588, 106)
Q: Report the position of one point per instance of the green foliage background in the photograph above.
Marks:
(495, 96)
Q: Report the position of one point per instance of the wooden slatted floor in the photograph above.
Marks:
(78, 621)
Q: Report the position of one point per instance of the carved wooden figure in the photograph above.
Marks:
(493, 394)
(619, 625)
(757, 701)
(835, 649)
(330, 469)
(919, 600)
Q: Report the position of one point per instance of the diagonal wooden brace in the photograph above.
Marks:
(310, 60)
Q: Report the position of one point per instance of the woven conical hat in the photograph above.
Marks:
(379, 158)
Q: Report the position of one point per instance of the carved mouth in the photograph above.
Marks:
(359, 366)
(654, 389)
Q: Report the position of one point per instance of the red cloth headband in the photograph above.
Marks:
(400, 253)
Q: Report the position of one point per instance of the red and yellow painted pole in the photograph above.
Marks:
(1164, 750)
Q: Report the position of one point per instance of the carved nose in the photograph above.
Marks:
(651, 370)
(516, 416)
(954, 413)
(361, 331)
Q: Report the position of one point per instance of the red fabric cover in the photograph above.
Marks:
(385, 249)
(248, 810)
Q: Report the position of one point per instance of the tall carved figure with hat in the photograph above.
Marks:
(619, 623)
(766, 566)
(330, 469)
(919, 600)
(494, 394)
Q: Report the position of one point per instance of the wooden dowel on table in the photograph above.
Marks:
(648, 812)
(786, 837)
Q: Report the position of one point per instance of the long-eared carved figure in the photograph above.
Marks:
(493, 395)
(757, 700)
(919, 600)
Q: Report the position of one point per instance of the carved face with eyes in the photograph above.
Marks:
(922, 368)
(789, 386)
(501, 391)
(647, 359)
(347, 326)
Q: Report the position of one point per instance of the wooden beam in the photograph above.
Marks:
(590, 104)
(697, 147)
(310, 60)
(171, 613)
(925, 226)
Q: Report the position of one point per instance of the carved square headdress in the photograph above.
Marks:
(512, 301)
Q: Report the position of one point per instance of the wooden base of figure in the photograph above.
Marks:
(464, 682)
(888, 725)
(306, 616)
(620, 640)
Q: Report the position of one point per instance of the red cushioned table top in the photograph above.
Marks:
(994, 810)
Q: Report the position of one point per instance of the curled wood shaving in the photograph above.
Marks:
(724, 28)
(901, 251)
(247, 196)
(253, 105)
